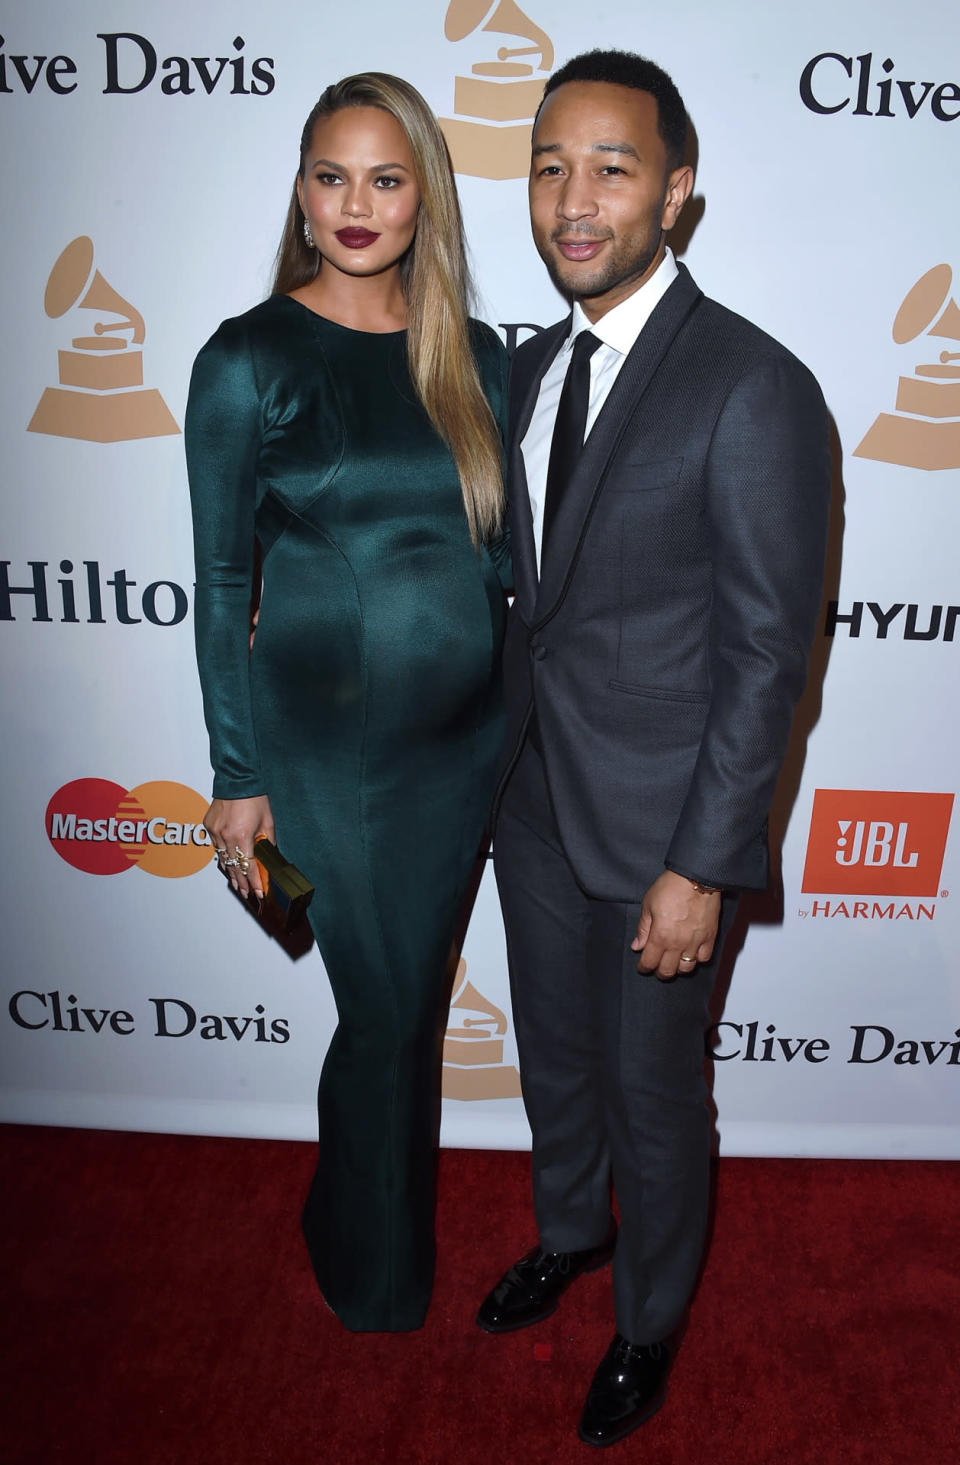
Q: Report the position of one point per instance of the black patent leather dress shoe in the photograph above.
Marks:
(531, 1289)
(629, 1386)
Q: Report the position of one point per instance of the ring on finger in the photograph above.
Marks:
(691, 959)
(242, 861)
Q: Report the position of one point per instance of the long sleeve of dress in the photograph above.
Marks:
(222, 438)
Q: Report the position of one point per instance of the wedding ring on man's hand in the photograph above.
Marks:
(242, 861)
(691, 959)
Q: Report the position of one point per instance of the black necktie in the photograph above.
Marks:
(569, 429)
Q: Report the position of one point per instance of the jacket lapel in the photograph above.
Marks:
(526, 375)
(622, 402)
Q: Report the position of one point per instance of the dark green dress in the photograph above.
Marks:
(369, 713)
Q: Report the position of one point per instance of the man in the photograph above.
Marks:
(670, 483)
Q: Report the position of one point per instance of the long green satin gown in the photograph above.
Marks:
(369, 713)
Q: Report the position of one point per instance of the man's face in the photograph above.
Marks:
(601, 194)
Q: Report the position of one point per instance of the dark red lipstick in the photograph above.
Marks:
(356, 238)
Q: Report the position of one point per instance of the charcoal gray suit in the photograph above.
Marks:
(660, 653)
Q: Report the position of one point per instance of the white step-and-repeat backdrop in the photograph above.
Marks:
(148, 153)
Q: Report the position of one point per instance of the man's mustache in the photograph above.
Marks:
(578, 231)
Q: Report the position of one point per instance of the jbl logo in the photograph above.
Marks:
(869, 843)
(874, 844)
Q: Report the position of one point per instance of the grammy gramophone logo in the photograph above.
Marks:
(490, 135)
(473, 1066)
(101, 397)
(924, 431)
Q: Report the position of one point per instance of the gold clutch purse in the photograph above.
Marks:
(286, 892)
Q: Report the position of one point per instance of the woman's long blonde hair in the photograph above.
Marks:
(436, 286)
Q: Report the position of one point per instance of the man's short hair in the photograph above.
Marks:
(625, 68)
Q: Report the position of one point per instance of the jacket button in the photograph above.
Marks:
(539, 652)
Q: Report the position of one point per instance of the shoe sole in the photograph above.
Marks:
(529, 1322)
(542, 1316)
(635, 1424)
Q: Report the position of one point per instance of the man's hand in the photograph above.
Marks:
(677, 926)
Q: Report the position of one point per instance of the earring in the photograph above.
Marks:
(308, 234)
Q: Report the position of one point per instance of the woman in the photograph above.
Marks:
(349, 423)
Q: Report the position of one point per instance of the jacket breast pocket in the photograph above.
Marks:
(641, 476)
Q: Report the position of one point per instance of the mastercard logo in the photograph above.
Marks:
(104, 829)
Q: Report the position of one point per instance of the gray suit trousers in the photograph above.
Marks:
(612, 1068)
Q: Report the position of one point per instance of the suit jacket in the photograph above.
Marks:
(666, 642)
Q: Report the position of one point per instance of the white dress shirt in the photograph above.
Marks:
(617, 332)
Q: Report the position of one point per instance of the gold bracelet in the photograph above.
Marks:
(703, 889)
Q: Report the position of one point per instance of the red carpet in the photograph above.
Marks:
(159, 1308)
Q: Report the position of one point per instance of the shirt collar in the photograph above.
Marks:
(621, 326)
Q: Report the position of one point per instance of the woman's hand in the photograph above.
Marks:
(234, 825)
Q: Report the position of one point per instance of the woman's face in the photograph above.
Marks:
(359, 192)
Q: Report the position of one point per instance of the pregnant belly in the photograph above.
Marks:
(405, 653)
